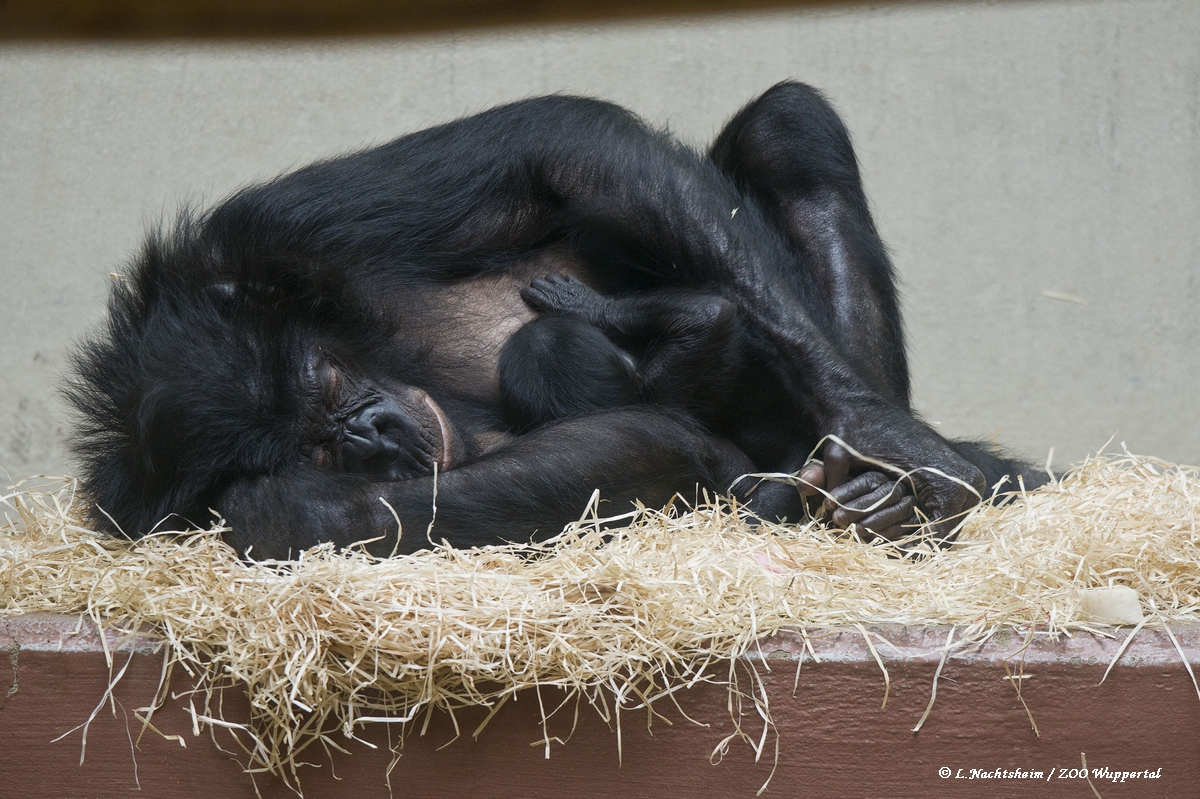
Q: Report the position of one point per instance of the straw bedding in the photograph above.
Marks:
(339, 640)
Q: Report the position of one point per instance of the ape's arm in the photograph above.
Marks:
(530, 488)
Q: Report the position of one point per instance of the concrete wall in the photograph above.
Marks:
(1009, 150)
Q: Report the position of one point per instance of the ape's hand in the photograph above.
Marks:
(884, 504)
(874, 502)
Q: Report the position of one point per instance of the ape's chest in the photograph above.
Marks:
(458, 329)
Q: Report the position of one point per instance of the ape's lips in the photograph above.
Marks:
(445, 450)
(440, 443)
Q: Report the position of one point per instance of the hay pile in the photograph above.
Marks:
(340, 640)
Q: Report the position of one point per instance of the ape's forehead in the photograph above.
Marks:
(183, 387)
(212, 379)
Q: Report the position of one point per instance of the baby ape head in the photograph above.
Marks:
(203, 376)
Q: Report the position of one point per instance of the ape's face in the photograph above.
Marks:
(378, 428)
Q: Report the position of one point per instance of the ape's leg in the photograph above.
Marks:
(819, 373)
(790, 153)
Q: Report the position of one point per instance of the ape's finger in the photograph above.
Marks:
(812, 479)
(837, 465)
(888, 522)
(533, 298)
(897, 531)
(860, 486)
(865, 505)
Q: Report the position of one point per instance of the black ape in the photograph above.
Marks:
(302, 357)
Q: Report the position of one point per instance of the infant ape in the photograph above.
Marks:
(678, 348)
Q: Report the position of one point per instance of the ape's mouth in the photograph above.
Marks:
(399, 435)
(444, 452)
(428, 436)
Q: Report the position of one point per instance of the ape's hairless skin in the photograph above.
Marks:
(538, 301)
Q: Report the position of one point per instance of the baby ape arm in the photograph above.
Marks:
(530, 488)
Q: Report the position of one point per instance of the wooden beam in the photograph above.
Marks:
(1140, 728)
(217, 19)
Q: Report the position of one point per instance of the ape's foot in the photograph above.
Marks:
(563, 294)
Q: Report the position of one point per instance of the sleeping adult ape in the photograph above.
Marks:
(302, 356)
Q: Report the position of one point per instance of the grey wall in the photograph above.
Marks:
(1008, 150)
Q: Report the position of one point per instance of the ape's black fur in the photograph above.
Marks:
(325, 341)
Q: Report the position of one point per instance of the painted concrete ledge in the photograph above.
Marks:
(834, 738)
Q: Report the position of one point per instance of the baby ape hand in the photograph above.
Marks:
(564, 294)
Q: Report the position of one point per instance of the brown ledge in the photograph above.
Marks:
(207, 19)
(834, 738)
